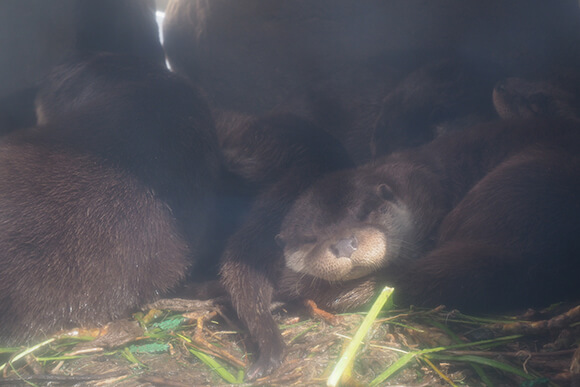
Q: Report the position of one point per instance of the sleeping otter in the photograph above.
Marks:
(104, 204)
(273, 159)
(301, 56)
(482, 220)
(442, 96)
(528, 98)
(281, 50)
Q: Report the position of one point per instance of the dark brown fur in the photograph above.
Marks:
(537, 98)
(284, 49)
(484, 220)
(334, 61)
(442, 96)
(103, 206)
(275, 157)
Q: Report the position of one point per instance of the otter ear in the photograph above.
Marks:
(385, 192)
(280, 241)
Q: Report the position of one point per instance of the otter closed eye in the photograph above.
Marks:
(386, 192)
(456, 231)
(339, 252)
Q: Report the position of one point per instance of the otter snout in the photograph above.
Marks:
(345, 247)
(341, 256)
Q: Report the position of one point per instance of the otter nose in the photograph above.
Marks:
(345, 247)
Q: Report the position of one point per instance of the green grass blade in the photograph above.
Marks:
(484, 361)
(127, 354)
(407, 357)
(58, 358)
(216, 367)
(482, 375)
(26, 352)
(478, 370)
(348, 356)
(438, 371)
(9, 350)
(400, 363)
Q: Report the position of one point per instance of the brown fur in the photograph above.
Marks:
(284, 49)
(276, 157)
(103, 206)
(537, 98)
(442, 96)
(483, 220)
(335, 61)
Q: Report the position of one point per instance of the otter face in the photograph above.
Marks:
(344, 228)
(340, 258)
(522, 98)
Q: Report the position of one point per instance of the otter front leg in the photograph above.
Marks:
(249, 270)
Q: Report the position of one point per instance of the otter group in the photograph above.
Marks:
(446, 174)
(478, 218)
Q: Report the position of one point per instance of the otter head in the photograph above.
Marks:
(347, 225)
(260, 150)
(523, 98)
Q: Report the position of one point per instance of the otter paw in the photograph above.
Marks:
(269, 360)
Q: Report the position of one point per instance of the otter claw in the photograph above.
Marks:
(264, 366)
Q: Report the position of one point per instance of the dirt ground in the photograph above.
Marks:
(163, 347)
